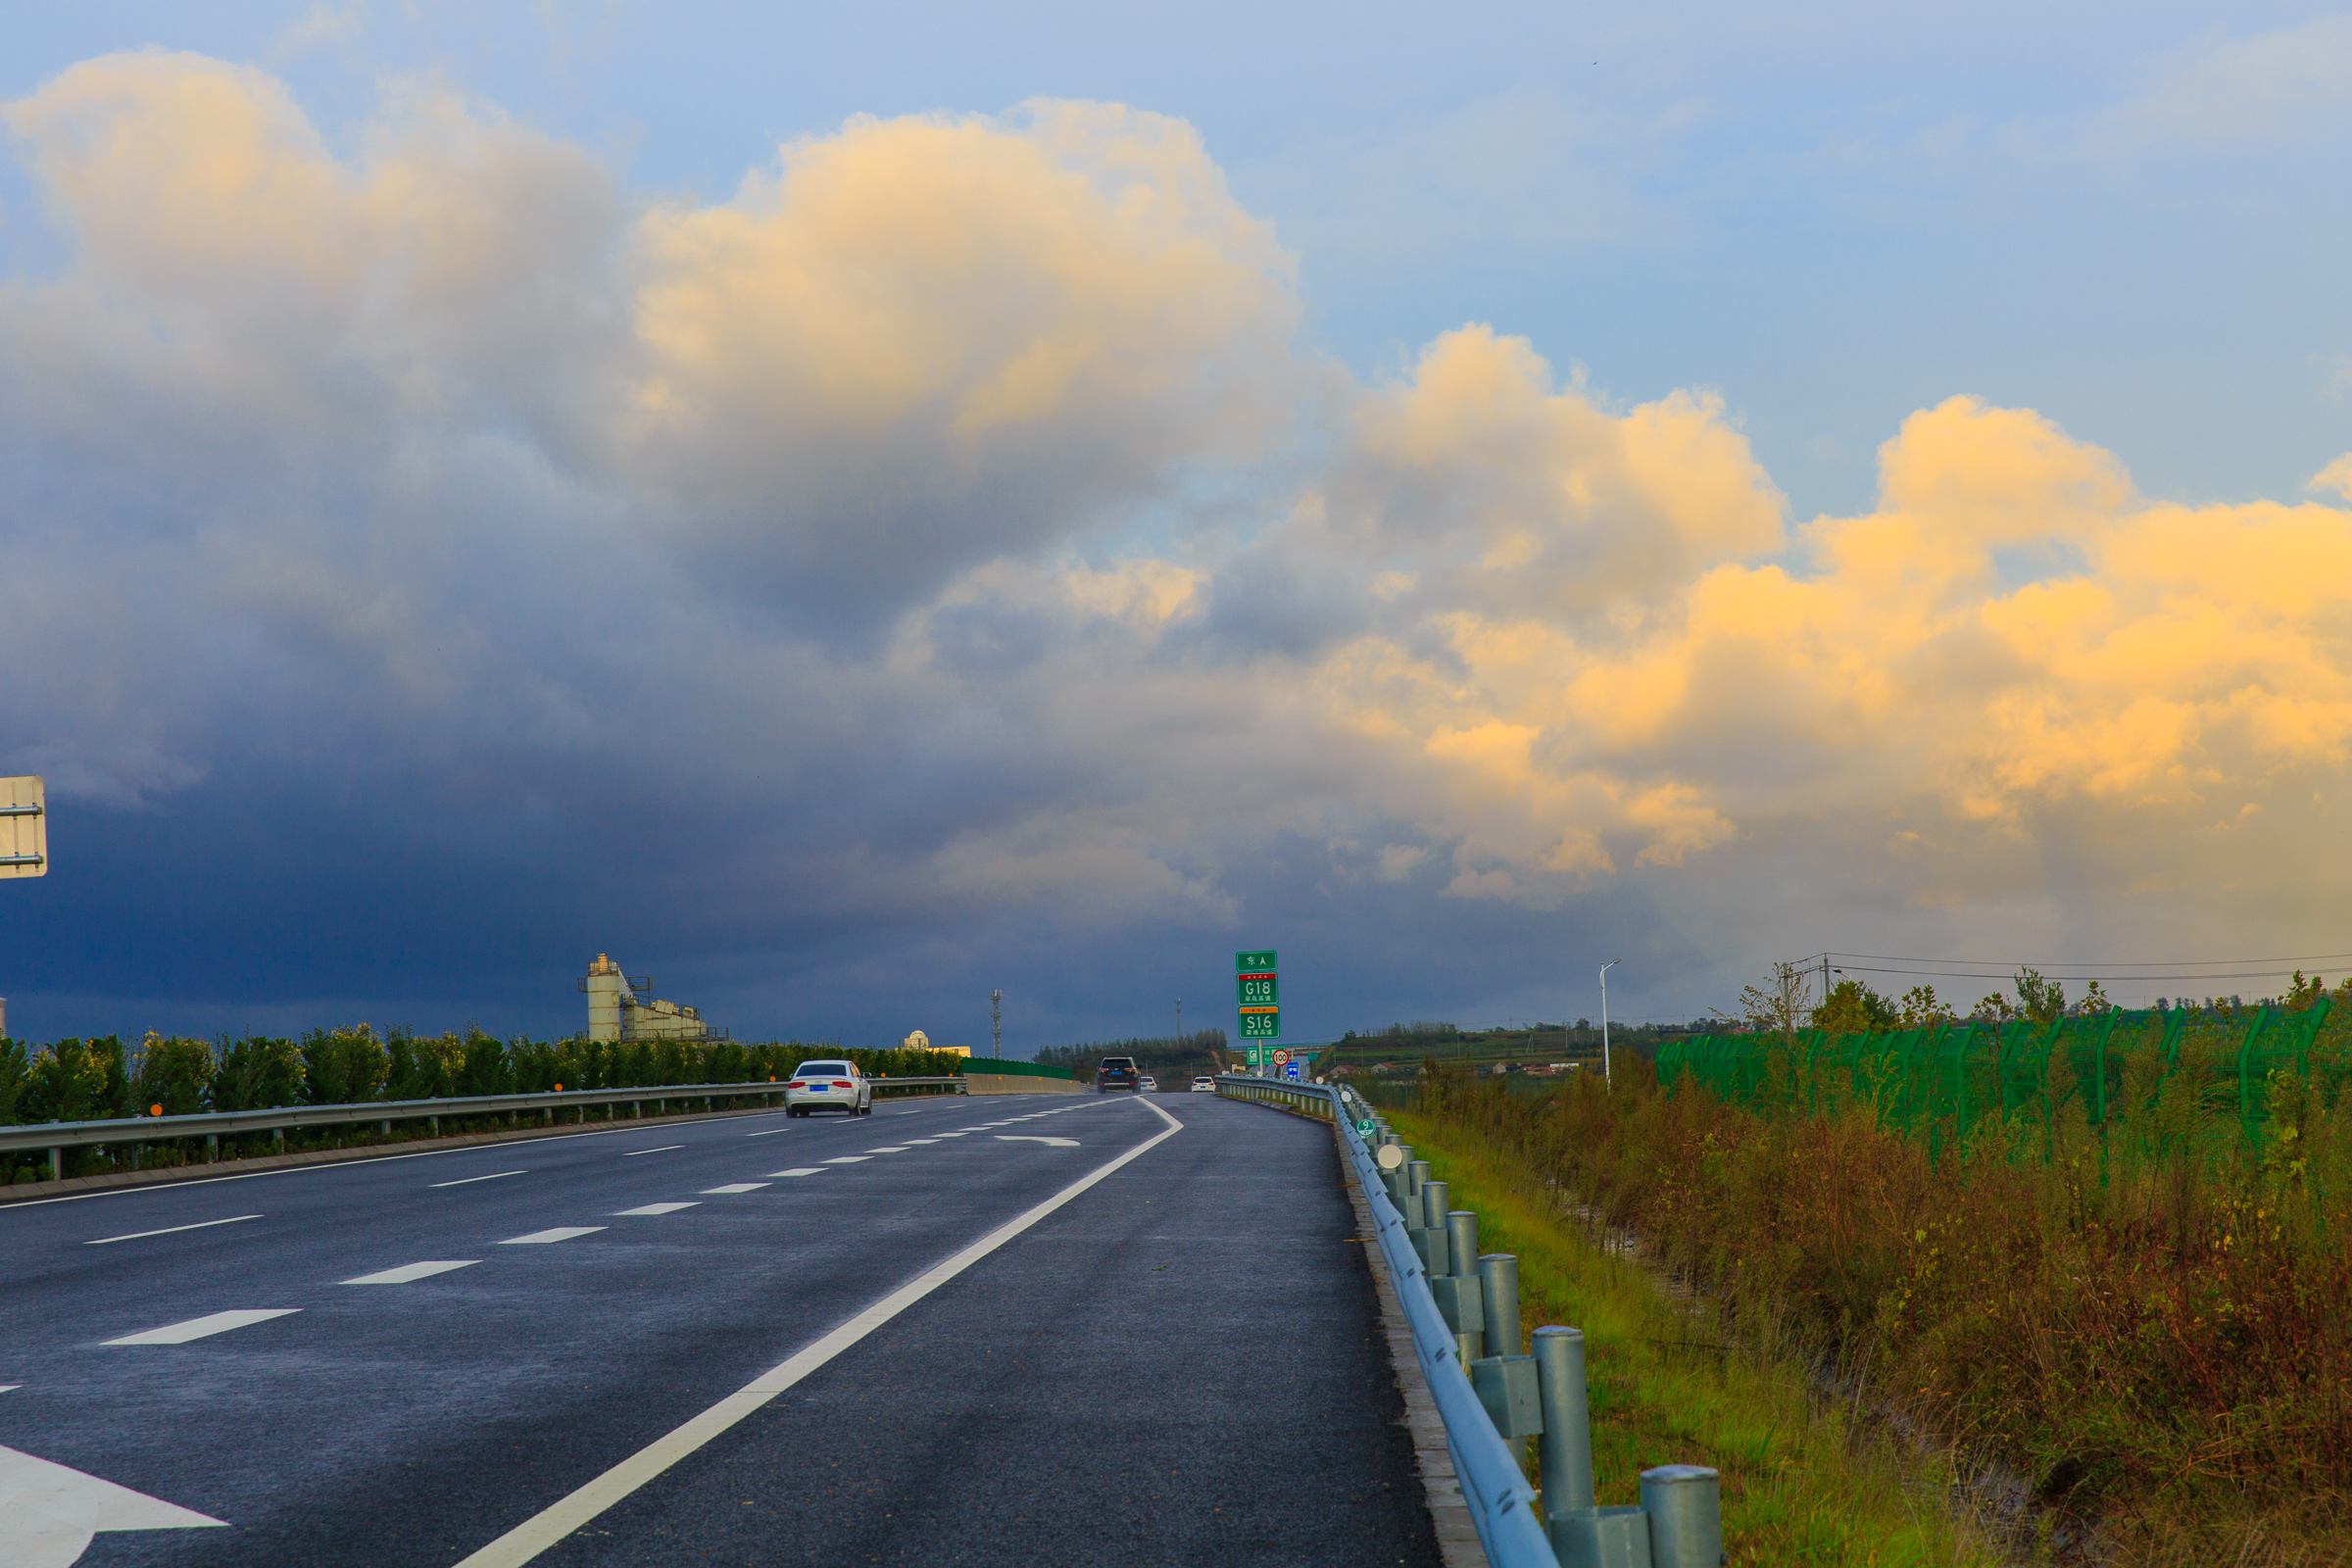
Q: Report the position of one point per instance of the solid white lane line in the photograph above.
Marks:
(653, 1208)
(552, 1524)
(407, 1272)
(800, 1170)
(847, 1159)
(493, 1176)
(561, 1233)
(202, 1224)
(735, 1187)
(664, 1150)
(196, 1328)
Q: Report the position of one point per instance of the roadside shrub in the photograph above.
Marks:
(256, 1073)
(175, 1074)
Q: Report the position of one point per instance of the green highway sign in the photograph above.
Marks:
(1266, 1025)
(1258, 991)
(1253, 962)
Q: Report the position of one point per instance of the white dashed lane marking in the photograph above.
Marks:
(561, 1233)
(889, 1148)
(800, 1170)
(847, 1159)
(652, 1208)
(197, 1328)
(664, 1150)
(407, 1272)
(735, 1187)
(168, 1230)
(493, 1176)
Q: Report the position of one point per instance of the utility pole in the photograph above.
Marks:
(1607, 1082)
(996, 1024)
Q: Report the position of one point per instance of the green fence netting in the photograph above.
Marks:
(1958, 1078)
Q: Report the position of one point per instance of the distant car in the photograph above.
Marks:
(1204, 1085)
(1148, 1085)
(829, 1086)
(1118, 1072)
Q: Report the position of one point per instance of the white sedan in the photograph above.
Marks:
(829, 1086)
(1204, 1085)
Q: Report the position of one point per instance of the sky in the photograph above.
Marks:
(848, 510)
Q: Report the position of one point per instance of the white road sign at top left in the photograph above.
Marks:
(23, 827)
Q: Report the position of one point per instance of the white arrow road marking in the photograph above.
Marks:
(202, 1224)
(407, 1272)
(197, 1328)
(1032, 1138)
(561, 1233)
(48, 1512)
(652, 1208)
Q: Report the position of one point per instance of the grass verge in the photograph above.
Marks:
(1805, 1481)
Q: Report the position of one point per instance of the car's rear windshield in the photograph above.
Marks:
(1117, 1064)
(821, 1069)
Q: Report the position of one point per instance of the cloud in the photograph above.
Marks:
(949, 527)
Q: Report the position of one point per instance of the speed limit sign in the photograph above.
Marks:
(1281, 1057)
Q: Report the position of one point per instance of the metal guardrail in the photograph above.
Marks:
(54, 1137)
(1494, 1403)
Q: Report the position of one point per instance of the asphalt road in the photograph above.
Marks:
(1178, 1363)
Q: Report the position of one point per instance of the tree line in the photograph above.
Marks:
(90, 1080)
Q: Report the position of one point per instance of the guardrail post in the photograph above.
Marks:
(57, 1164)
(1499, 1281)
(1685, 1504)
(1430, 1237)
(1460, 1300)
(1567, 1449)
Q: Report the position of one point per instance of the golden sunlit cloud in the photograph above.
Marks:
(928, 404)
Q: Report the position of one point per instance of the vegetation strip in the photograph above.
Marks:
(1801, 1481)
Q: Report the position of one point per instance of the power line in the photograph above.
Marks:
(2094, 964)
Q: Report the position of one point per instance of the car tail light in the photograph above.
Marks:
(796, 1084)
(843, 1083)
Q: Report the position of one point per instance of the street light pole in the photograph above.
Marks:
(996, 1024)
(1607, 1081)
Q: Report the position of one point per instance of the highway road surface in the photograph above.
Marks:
(1017, 1329)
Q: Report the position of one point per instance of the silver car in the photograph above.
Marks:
(829, 1086)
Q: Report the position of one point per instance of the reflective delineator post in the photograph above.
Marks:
(1685, 1504)
(1567, 1447)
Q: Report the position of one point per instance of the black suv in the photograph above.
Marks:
(1118, 1072)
